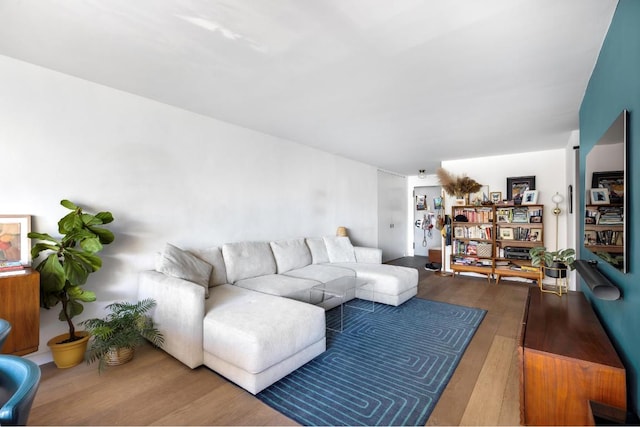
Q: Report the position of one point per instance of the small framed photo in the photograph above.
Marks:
(420, 202)
(495, 196)
(590, 237)
(506, 233)
(530, 197)
(535, 219)
(458, 232)
(516, 186)
(599, 196)
(15, 246)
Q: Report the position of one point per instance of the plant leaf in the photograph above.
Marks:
(52, 275)
(67, 204)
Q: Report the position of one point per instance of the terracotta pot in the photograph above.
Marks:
(68, 355)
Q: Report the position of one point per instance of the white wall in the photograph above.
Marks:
(166, 174)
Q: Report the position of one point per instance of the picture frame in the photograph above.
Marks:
(590, 237)
(599, 196)
(530, 197)
(516, 186)
(506, 233)
(458, 232)
(15, 245)
(495, 196)
(421, 202)
(612, 181)
(480, 196)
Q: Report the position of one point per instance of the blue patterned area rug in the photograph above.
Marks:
(388, 367)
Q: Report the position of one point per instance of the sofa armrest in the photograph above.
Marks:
(178, 314)
(368, 255)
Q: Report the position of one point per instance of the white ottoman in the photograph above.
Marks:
(255, 339)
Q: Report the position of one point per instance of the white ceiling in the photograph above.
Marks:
(398, 84)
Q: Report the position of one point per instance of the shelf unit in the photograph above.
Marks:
(495, 240)
(604, 228)
(20, 306)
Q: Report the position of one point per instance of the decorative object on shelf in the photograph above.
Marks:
(422, 174)
(480, 197)
(530, 197)
(613, 181)
(116, 336)
(555, 265)
(14, 241)
(457, 186)
(495, 196)
(68, 262)
(516, 186)
(341, 231)
(599, 196)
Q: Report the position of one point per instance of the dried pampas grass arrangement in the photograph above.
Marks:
(457, 186)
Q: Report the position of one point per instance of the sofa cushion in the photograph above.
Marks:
(318, 250)
(290, 254)
(248, 259)
(339, 249)
(255, 331)
(282, 285)
(387, 279)
(181, 264)
(214, 257)
(321, 272)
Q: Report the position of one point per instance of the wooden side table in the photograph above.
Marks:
(20, 306)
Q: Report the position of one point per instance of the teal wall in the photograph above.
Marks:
(614, 86)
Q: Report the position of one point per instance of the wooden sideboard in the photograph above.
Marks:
(20, 306)
(566, 361)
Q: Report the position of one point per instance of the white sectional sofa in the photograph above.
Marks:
(246, 310)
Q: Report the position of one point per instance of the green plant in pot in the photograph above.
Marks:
(64, 271)
(116, 336)
(555, 263)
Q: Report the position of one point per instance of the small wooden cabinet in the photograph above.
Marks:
(566, 360)
(20, 306)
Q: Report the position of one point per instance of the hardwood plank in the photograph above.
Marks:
(485, 404)
(156, 389)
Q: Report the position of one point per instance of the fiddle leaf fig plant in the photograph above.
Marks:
(70, 259)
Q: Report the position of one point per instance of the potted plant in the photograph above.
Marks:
(64, 271)
(555, 263)
(116, 336)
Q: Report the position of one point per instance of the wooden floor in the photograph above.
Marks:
(156, 389)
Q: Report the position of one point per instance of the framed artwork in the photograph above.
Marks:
(420, 202)
(15, 246)
(516, 186)
(506, 233)
(495, 196)
(599, 196)
(458, 232)
(530, 197)
(481, 196)
(590, 237)
(612, 181)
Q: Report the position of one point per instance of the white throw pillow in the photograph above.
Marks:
(318, 250)
(181, 264)
(290, 254)
(340, 249)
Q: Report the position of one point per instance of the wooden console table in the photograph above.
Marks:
(20, 306)
(566, 360)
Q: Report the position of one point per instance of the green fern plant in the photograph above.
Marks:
(126, 326)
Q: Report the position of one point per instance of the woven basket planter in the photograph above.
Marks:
(118, 356)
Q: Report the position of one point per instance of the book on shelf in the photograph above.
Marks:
(6, 273)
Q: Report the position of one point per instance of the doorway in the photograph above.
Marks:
(427, 206)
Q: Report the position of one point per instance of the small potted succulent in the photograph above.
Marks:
(115, 337)
(555, 263)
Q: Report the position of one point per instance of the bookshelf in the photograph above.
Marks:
(495, 240)
(604, 228)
